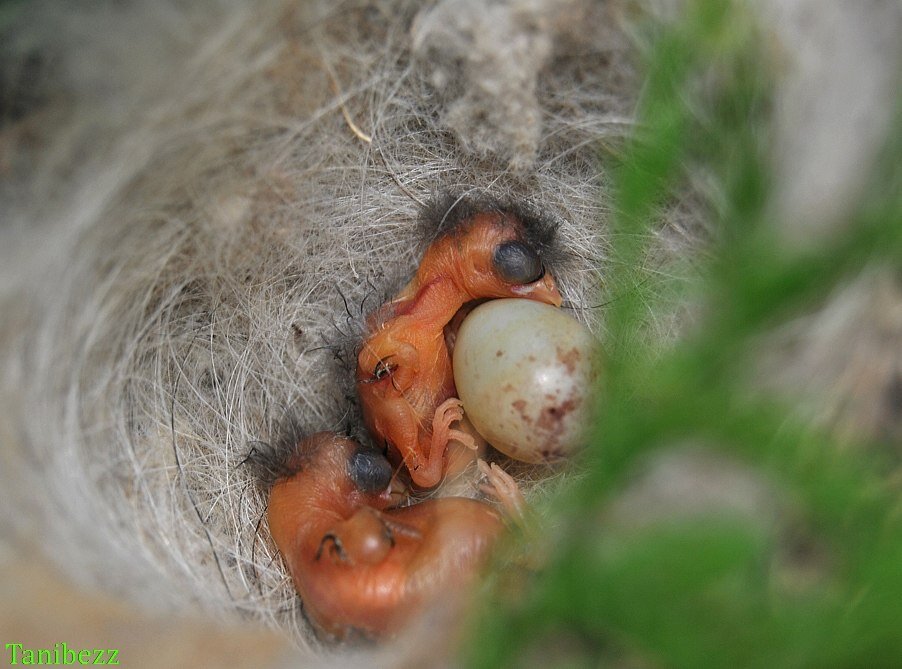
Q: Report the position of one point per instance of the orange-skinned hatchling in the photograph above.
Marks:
(404, 374)
(360, 567)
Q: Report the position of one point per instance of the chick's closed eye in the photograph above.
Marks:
(517, 262)
(369, 470)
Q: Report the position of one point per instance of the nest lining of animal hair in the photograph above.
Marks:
(240, 218)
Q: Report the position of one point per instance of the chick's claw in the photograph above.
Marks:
(448, 412)
(504, 488)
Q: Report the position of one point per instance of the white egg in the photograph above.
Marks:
(525, 372)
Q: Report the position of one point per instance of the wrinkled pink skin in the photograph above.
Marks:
(362, 567)
(404, 374)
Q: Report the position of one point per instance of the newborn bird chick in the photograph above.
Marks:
(358, 566)
(404, 374)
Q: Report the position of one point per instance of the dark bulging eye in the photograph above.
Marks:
(369, 470)
(517, 262)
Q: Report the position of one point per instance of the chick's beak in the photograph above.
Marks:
(543, 290)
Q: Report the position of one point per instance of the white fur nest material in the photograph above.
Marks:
(195, 193)
(201, 257)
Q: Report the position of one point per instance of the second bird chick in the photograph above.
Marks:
(404, 374)
(360, 567)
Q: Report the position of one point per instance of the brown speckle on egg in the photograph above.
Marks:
(524, 371)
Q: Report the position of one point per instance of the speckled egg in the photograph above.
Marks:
(525, 372)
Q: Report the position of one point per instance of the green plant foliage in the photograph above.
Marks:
(703, 593)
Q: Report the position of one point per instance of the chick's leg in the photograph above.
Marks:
(449, 411)
(504, 488)
(428, 473)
